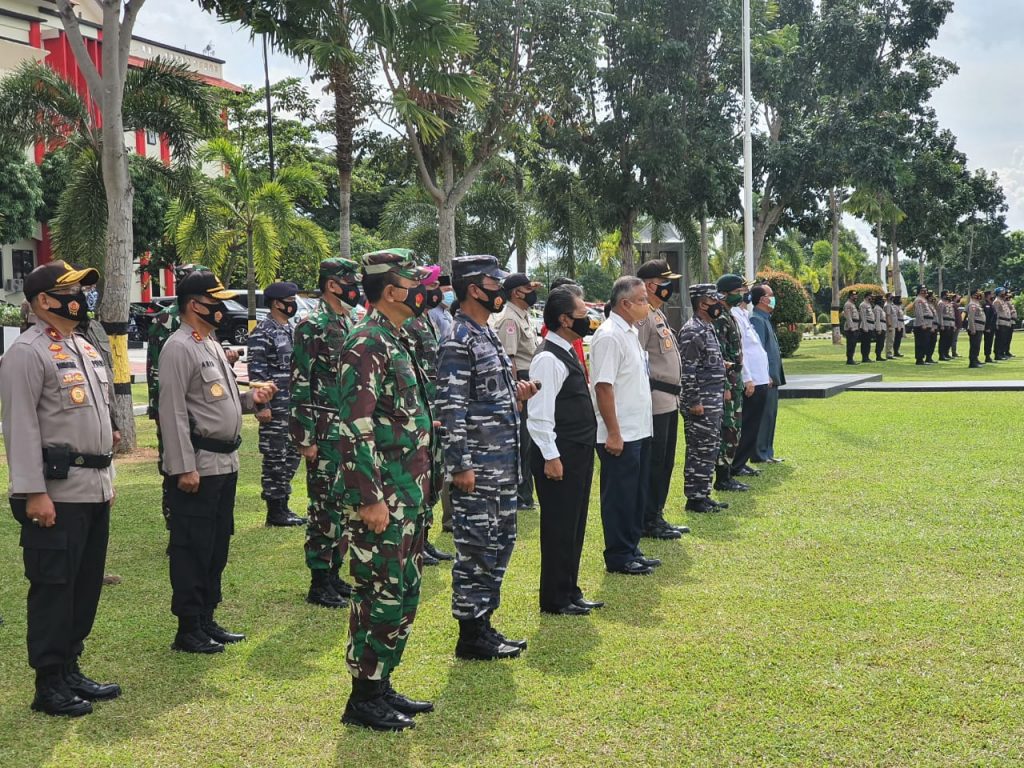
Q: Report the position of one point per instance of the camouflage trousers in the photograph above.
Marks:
(280, 459)
(324, 545)
(484, 525)
(703, 441)
(732, 420)
(386, 570)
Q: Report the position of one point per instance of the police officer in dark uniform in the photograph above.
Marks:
(58, 436)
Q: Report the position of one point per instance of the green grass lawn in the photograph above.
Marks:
(822, 356)
(862, 607)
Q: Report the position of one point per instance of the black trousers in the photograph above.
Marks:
(563, 522)
(1004, 336)
(624, 488)
(753, 409)
(866, 337)
(990, 336)
(201, 526)
(524, 494)
(946, 342)
(896, 341)
(879, 345)
(663, 461)
(933, 340)
(975, 346)
(852, 337)
(64, 567)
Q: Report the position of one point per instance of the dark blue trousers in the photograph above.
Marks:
(624, 487)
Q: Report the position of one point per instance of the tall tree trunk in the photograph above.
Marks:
(705, 266)
(897, 276)
(626, 254)
(344, 130)
(570, 266)
(446, 212)
(520, 235)
(250, 277)
(941, 267)
(833, 198)
(878, 254)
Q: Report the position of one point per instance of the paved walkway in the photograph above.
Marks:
(824, 385)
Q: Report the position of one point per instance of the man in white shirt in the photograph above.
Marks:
(755, 373)
(564, 431)
(622, 399)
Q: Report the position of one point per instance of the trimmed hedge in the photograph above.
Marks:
(862, 289)
(792, 306)
(789, 341)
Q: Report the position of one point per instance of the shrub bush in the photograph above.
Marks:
(792, 302)
(789, 341)
(862, 289)
(824, 319)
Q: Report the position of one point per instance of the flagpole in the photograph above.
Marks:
(748, 153)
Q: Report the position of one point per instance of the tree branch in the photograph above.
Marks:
(77, 43)
(131, 12)
(421, 163)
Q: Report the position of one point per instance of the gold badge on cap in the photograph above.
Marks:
(217, 390)
(77, 395)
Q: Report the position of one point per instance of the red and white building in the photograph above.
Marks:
(30, 30)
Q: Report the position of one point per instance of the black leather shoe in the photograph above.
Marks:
(976, 365)
(436, 553)
(572, 609)
(196, 641)
(500, 637)
(700, 505)
(775, 460)
(650, 562)
(404, 704)
(429, 559)
(633, 568)
(852, 362)
(476, 643)
(731, 485)
(662, 532)
(342, 587)
(718, 504)
(747, 472)
(279, 516)
(325, 596)
(87, 689)
(54, 697)
(592, 605)
(376, 714)
(218, 634)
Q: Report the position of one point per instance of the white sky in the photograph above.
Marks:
(985, 37)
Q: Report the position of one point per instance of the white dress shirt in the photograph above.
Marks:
(551, 373)
(616, 358)
(755, 359)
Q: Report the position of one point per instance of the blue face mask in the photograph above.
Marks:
(771, 302)
(448, 298)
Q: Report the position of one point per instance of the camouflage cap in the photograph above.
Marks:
(704, 290)
(473, 266)
(339, 268)
(400, 261)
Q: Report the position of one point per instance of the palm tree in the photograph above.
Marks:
(242, 214)
(37, 105)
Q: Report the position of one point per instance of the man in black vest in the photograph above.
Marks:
(563, 426)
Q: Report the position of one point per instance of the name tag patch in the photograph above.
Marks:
(73, 378)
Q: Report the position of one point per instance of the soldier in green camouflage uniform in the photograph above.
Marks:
(314, 424)
(730, 341)
(387, 481)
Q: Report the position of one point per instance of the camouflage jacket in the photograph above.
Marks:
(160, 330)
(424, 337)
(476, 403)
(314, 383)
(731, 344)
(270, 358)
(703, 366)
(384, 419)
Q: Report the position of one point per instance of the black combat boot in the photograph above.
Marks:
(278, 515)
(700, 504)
(292, 515)
(501, 637)
(477, 644)
(341, 586)
(368, 708)
(217, 633)
(434, 552)
(87, 689)
(404, 704)
(322, 592)
(55, 697)
(192, 639)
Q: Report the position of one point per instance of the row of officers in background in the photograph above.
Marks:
(442, 396)
(880, 321)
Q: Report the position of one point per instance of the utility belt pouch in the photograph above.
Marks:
(57, 462)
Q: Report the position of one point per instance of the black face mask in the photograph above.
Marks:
(416, 300)
(530, 298)
(495, 299)
(664, 291)
(289, 307)
(213, 314)
(434, 298)
(73, 306)
(715, 311)
(350, 295)
(580, 326)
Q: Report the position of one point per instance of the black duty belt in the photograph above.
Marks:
(670, 389)
(215, 446)
(82, 460)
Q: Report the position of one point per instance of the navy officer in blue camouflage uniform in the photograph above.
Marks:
(702, 396)
(478, 406)
(270, 360)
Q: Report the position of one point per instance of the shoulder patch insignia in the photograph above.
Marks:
(77, 395)
(55, 348)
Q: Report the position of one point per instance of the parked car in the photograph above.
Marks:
(234, 331)
(306, 304)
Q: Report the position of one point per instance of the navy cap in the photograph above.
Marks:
(704, 290)
(280, 291)
(473, 266)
